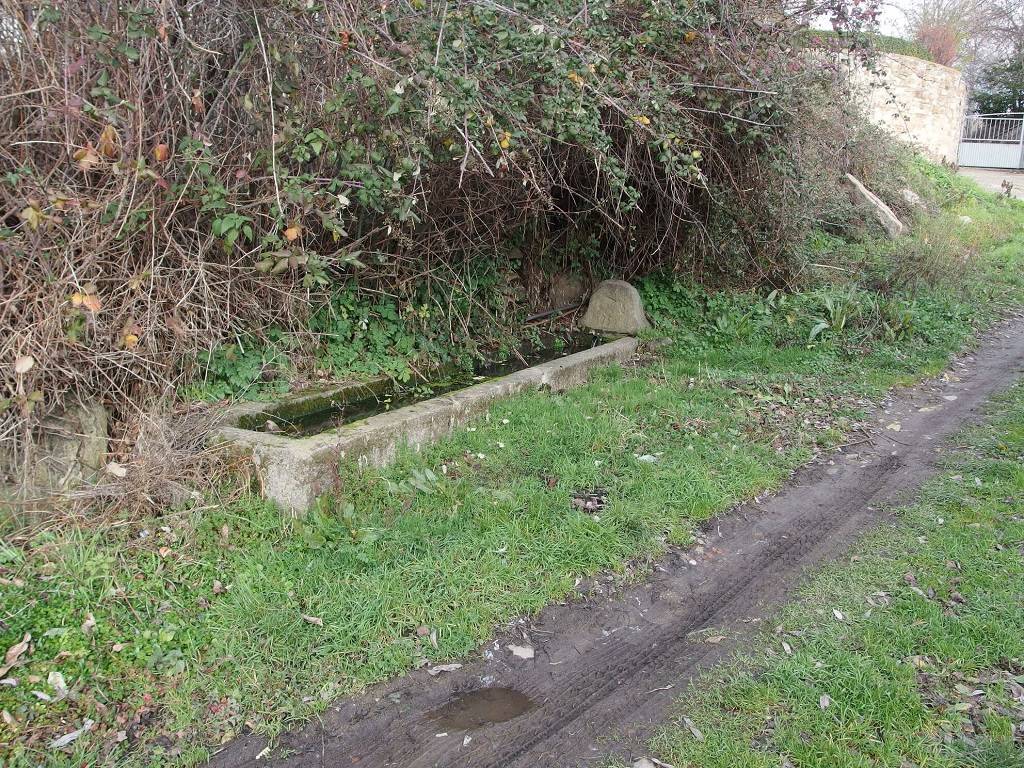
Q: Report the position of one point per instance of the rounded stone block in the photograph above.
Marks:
(616, 307)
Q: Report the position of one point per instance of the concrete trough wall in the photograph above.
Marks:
(295, 471)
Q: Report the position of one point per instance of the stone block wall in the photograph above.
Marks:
(918, 101)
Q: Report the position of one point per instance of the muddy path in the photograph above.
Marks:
(606, 667)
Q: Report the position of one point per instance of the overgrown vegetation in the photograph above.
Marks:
(175, 632)
(869, 42)
(923, 663)
(1001, 86)
(198, 187)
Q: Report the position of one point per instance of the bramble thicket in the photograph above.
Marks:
(202, 195)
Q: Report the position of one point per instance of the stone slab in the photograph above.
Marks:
(882, 212)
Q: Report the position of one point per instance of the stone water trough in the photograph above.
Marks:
(295, 470)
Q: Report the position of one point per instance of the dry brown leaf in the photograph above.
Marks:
(86, 157)
(115, 469)
(109, 143)
(313, 620)
(92, 302)
(714, 639)
(161, 152)
(32, 216)
(292, 233)
(15, 651)
(89, 624)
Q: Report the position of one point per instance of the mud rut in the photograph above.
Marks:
(607, 667)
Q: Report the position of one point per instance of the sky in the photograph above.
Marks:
(892, 20)
(892, 17)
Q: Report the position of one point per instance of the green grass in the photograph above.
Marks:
(176, 633)
(933, 611)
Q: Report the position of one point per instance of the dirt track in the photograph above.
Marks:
(606, 668)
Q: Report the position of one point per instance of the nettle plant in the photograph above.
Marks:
(184, 173)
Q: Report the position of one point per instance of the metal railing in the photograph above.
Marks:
(993, 141)
(1000, 128)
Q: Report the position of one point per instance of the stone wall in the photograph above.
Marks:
(916, 100)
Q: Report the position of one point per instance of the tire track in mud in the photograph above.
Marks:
(606, 668)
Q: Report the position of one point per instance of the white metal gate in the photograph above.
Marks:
(993, 141)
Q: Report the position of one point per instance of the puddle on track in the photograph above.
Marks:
(481, 707)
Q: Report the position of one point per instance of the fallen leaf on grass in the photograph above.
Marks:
(56, 681)
(787, 648)
(14, 653)
(714, 639)
(67, 738)
(435, 671)
(694, 730)
(89, 624)
(838, 614)
(825, 701)
(521, 651)
(313, 620)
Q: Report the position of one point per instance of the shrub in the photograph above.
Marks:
(181, 175)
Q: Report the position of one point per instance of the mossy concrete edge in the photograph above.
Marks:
(296, 471)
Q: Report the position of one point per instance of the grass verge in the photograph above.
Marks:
(911, 653)
(153, 639)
